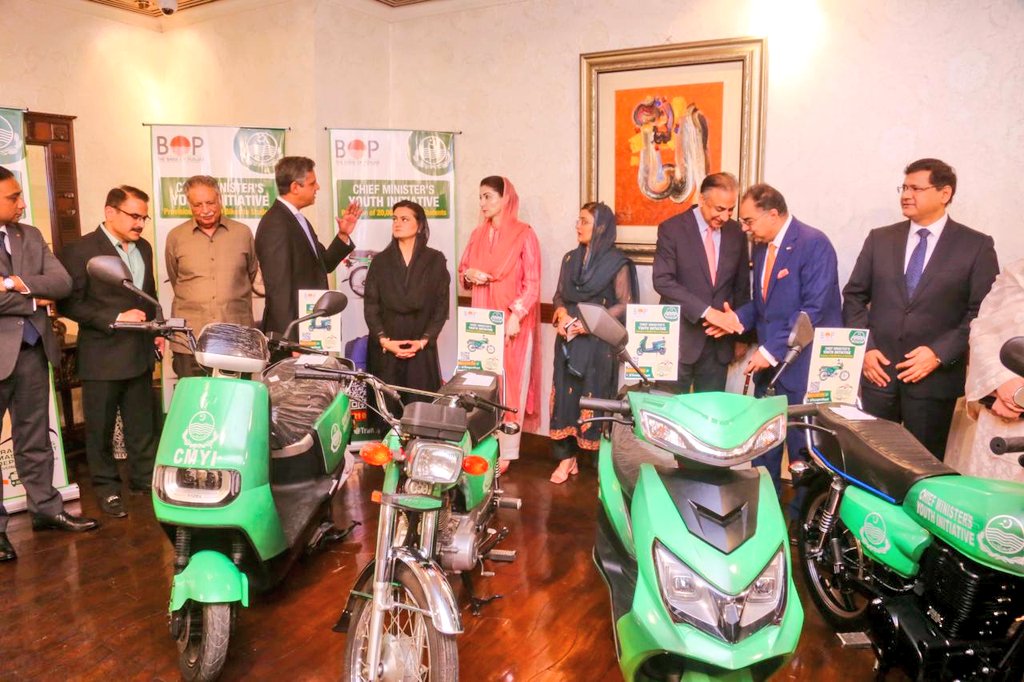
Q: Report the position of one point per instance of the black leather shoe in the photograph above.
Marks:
(63, 521)
(6, 549)
(111, 504)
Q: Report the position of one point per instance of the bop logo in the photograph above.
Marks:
(431, 153)
(10, 141)
(201, 431)
(259, 149)
(179, 145)
(356, 150)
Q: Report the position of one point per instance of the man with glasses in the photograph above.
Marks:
(795, 270)
(702, 264)
(916, 286)
(116, 367)
(30, 279)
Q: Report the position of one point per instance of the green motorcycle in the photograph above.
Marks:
(895, 543)
(437, 505)
(692, 547)
(248, 462)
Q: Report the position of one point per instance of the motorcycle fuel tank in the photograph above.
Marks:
(982, 518)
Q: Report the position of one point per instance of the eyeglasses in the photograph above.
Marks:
(747, 222)
(900, 189)
(134, 216)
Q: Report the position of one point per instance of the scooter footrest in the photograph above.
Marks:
(854, 640)
(506, 555)
(510, 503)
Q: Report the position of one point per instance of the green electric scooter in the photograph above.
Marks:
(693, 548)
(248, 462)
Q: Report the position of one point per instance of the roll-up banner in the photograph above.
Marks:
(378, 168)
(242, 159)
(12, 157)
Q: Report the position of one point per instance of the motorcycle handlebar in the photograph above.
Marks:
(473, 400)
(1000, 445)
(605, 405)
(330, 374)
(136, 326)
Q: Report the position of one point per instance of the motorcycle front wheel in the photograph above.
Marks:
(203, 641)
(836, 598)
(412, 648)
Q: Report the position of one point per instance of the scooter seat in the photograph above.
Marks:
(481, 422)
(629, 452)
(875, 453)
(295, 404)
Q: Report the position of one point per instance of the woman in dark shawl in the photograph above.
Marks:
(406, 303)
(593, 272)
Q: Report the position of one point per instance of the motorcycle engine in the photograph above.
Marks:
(458, 541)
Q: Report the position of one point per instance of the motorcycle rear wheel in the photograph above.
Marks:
(836, 599)
(413, 649)
(203, 642)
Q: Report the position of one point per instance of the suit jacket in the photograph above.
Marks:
(45, 277)
(805, 278)
(681, 276)
(103, 353)
(289, 264)
(956, 279)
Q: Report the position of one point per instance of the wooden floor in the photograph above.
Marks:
(93, 606)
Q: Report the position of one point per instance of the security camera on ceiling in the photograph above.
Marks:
(168, 7)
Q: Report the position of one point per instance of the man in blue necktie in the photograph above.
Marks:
(916, 287)
(30, 279)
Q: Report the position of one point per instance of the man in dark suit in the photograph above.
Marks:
(30, 280)
(290, 255)
(916, 286)
(703, 265)
(795, 270)
(116, 367)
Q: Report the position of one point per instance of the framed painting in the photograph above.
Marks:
(657, 120)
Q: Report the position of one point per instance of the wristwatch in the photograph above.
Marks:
(8, 284)
(1018, 397)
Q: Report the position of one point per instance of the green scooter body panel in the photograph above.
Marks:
(609, 491)
(476, 487)
(887, 533)
(721, 420)
(648, 629)
(209, 578)
(334, 428)
(982, 518)
(221, 423)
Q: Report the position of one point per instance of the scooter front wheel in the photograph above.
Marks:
(203, 641)
(411, 647)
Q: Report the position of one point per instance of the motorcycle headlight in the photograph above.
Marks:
(193, 487)
(730, 617)
(433, 462)
(661, 431)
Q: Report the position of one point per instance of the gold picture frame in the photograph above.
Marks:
(711, 92)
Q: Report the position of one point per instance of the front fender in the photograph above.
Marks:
(441, 602)
(209, 578)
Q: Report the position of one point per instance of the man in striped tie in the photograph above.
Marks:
(916, 286)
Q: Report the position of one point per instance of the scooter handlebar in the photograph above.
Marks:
(1001, 446)
(799, 411)
(605, 405)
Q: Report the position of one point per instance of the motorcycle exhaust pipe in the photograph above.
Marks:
(510, 503)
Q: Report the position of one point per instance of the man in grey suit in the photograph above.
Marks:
(702, 263)
(30, 280)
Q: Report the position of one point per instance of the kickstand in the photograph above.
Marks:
(476, 604)
(336, 534)
(328, 533)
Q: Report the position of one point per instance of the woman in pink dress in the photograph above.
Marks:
(501, 269)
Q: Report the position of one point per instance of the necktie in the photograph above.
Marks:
(308, 229)
(709, 251)
(769, 263)
(28, 332)
(916, 265)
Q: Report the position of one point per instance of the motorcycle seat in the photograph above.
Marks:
(875, 453)
(629, 452)
(295, 404)
(481, 422)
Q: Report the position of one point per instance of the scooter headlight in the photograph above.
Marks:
(672, 437)
(434, 462)
(192, 487)
(730, 617)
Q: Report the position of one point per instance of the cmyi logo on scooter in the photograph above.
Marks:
(874, 533)
(1003, 539)
(199, 435)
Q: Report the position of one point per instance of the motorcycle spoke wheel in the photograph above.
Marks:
(412, 649)
(203, 641)
(835, 595)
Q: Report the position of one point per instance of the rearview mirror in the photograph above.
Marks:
(108, 269)
(599, 322)
(802, 333)
(1012, 355)
(330, 303)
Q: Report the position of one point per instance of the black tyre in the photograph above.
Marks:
(357, 281)
(203, 642)
(412, 648)
(835, 596)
